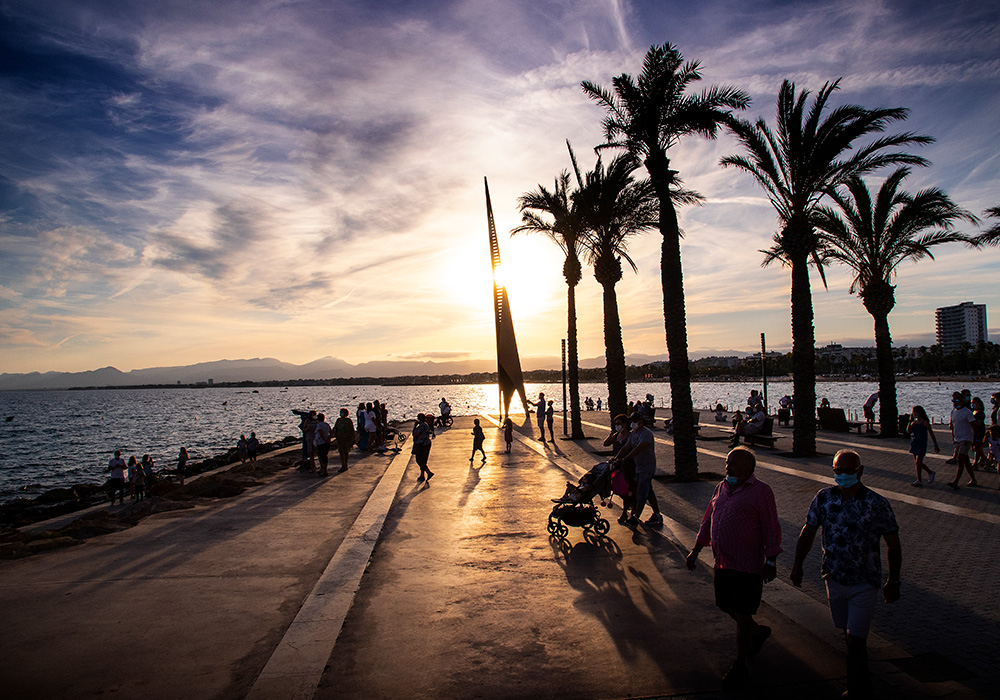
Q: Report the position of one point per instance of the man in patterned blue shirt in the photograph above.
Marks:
(854, 520)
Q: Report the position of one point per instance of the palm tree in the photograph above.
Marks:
(873, 238)
(798, 166)
(990, 236)
(614, 207)
(555, 215)
(646, 118)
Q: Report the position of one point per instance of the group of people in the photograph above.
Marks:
(970, 434)
(318, 436)
(134, 476)
(633, 453)
(741, 526)
(750, 422)
(590, 406)
(246, 449)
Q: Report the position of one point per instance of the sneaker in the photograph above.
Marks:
(736, 676)
(953, 485)
(916, 483)
(632, 522)
(951, 461)
(655, 520)
(930, 479)
(429, 475)
(759, 637)
(420, 478)
(342, 470)
(623, 519)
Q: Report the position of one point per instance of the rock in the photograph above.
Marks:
(50, 543)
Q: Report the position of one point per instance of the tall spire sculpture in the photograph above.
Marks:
(509, 377)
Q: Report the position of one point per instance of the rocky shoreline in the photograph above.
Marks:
(167, 494)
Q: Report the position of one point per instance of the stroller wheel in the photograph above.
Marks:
(602, 526)
(562, 530)
(552, 527)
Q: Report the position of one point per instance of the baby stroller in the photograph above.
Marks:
(576, 506)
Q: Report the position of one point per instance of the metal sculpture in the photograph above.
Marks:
(509, 377)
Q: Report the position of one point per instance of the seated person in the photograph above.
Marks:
(720, 413)
(751, 426)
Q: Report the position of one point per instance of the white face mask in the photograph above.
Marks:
(634, 425)
(619, 427)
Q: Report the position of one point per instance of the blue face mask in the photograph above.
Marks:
(846, 481)
(732, 480)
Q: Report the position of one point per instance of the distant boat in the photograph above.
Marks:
(254, 392)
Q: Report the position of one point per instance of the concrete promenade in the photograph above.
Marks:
(370, 584)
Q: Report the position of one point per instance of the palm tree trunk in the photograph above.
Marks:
(576, 423)
(803, 361)
(675, 322)
(614, 351)
(887, 410)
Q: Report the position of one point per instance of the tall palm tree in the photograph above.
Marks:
(614, 207)
(555, 214)
(990, 236)
(873, 238)
(647, 117)
(798, 166)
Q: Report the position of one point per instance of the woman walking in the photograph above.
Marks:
(918, 430)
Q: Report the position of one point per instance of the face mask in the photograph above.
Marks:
(619, 427)
(732, 480)
(846, 481)
(634, 425)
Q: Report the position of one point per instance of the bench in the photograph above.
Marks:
(834, 419)
(765, 437)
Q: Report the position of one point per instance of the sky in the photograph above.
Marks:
(184, 181)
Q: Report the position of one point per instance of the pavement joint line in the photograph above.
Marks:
(296, 666)
(928, 503)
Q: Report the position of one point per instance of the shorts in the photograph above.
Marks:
(751, 429)
(852, 607)
(962, 447)
(869, 413)
(738, 591)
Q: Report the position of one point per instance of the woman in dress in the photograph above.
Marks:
(918, 430)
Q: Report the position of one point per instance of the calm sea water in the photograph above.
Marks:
(57, 438)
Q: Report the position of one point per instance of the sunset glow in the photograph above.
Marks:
(184, 182)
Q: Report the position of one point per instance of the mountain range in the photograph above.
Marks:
(263, 369)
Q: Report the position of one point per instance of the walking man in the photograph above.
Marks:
(854, 518)
(741, 524)
(962, 434)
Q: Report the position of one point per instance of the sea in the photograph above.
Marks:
(52, 439)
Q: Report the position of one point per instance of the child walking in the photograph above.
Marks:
(508, 434)
(919, 429)
(478, 438)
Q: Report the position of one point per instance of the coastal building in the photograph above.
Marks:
(962, 323)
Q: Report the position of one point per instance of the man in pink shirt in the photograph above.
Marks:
(741, 525)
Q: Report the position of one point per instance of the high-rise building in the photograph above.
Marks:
(962, 323)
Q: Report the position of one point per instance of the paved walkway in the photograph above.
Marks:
(370, 584)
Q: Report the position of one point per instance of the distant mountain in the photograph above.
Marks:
(253, 370)
(262, 369)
